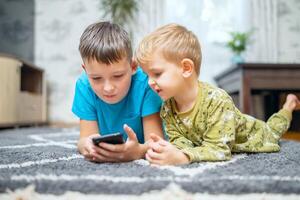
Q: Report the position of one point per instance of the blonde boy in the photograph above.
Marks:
(201, 120)
(112, 95)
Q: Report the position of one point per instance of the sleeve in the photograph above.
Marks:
(174, 134)
(151, 103)
(83, 103)
(219, 135)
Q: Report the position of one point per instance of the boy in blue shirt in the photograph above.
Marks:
(112, 95)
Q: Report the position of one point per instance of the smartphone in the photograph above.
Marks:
(115, 138)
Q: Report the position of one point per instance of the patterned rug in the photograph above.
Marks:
(46, 162)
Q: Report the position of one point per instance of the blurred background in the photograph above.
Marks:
(43, 37)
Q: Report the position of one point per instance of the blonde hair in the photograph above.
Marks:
(174, 41)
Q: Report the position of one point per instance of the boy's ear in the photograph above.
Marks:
(133, 65)
(83, 67)
(187, 66)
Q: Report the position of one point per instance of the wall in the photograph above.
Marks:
(17, 28)
(59, 25)
(210, 20)
(289, 31)
(277, 30)
(48, 31)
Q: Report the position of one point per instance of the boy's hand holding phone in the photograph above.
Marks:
(128, 151)
(88, 147)
(115, 138)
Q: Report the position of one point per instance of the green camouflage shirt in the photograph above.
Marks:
(214, 127)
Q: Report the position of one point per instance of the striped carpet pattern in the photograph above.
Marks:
(47, 159)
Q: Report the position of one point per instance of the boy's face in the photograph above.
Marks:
(165, 77)
(110, 82)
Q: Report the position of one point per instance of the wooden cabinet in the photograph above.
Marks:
(272, 80)
(22, 93)
(9, 89)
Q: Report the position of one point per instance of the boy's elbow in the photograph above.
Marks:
(221, 156)
(226, 156)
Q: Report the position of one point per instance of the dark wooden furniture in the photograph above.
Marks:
(245, 78)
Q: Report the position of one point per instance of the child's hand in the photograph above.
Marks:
(88, 147)
(162, 152)
(129, 151)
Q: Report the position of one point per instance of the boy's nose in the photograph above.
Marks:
(151, 82)
(108, 87)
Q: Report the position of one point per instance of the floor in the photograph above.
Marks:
(47, 158)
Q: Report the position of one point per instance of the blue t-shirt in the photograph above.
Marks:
(139, 102)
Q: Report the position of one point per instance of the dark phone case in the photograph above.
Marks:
(116, 138)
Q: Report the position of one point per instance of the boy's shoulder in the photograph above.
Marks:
(140, 76)
(139, 83)
(83, 79)
(212, 92)
(213, 97)
(209, 97)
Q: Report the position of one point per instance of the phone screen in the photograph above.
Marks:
(115, 138)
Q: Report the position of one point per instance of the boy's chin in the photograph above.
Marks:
(164, 98)
(111, 101)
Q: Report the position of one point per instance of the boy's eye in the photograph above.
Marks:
(96, 78)
(118, 76)
(156, 74)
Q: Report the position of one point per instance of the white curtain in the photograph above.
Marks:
(150, 17)
(264, 18)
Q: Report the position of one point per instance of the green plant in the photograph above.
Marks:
(238, 41)
(120, 11)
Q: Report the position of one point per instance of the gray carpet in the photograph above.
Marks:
(48, 159)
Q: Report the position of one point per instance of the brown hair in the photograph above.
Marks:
(106, 42)
(174, 41)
